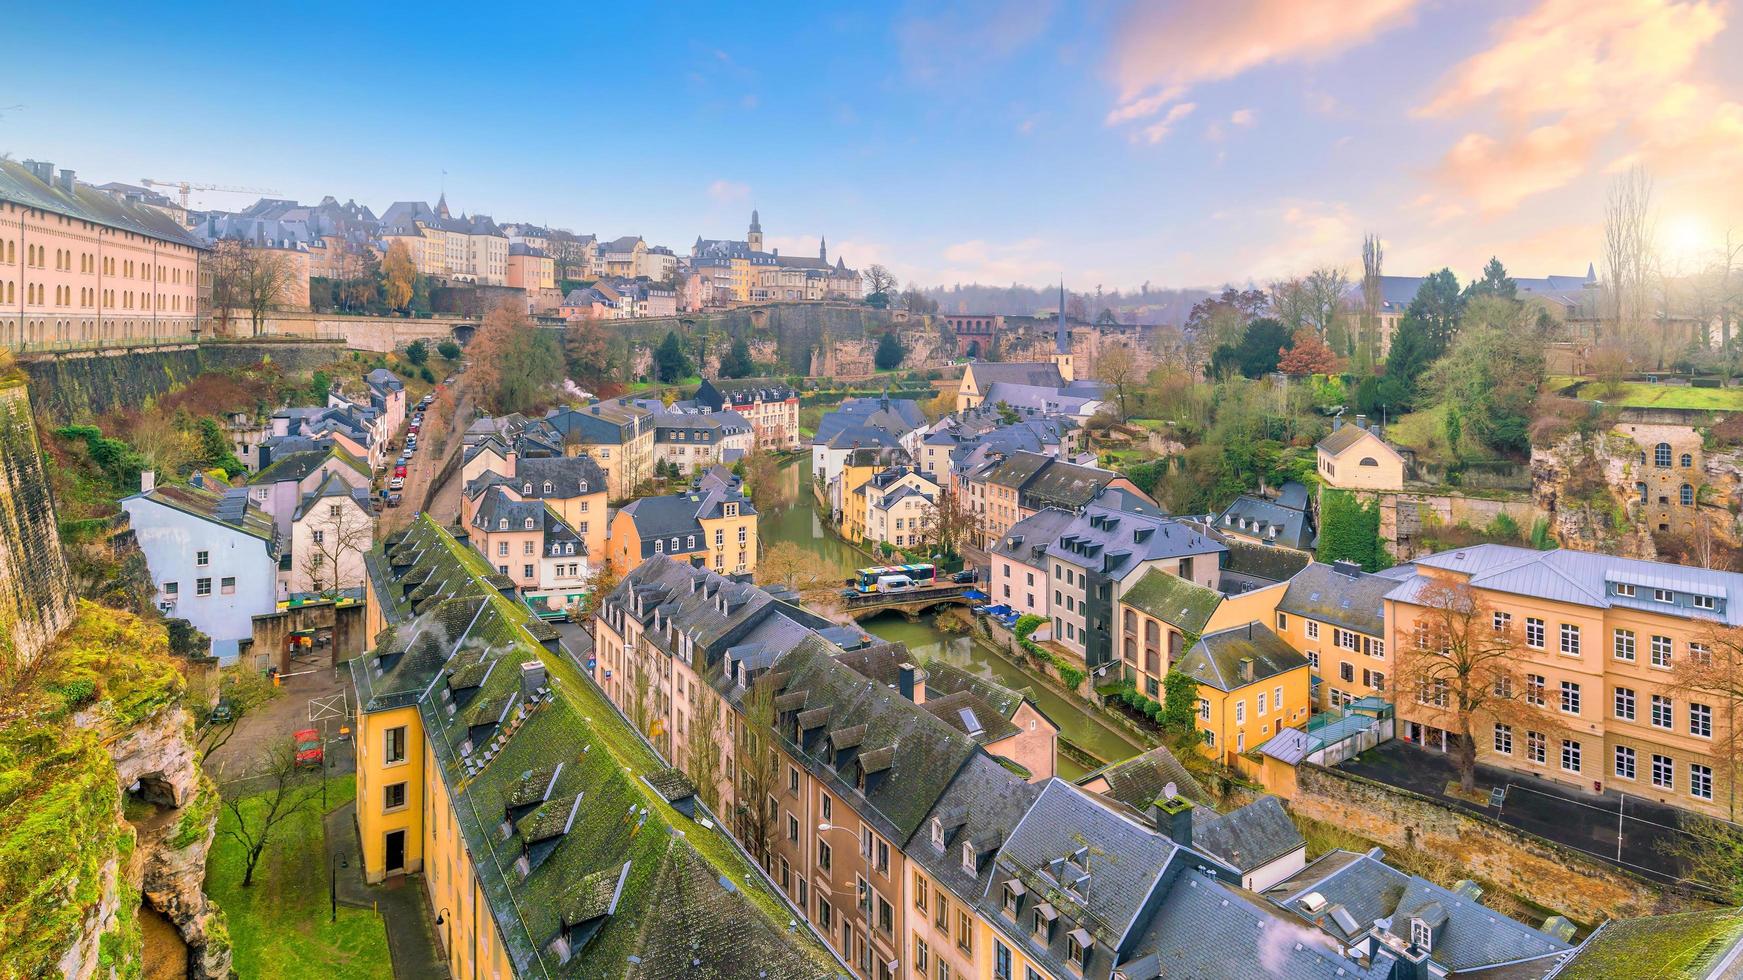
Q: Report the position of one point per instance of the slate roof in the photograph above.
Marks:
(1701, 945)
(1027, 540)
(1583, 578)
(1139, 781)
(1267, 521)
(1352, 599)
(333, 486)
(943, 677)
(1039, 398)
(1216, 658)
(988, 373)
(1347, 435)
(86, 203)
(231, 509)
(1117, 541)
(566, 770)
(681, 514)
(569, 476)
(968, 714)
(1174, 600)
(1472, 936)
(1247, 837)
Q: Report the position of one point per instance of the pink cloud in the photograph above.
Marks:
(1157, 132)
(1499, 173)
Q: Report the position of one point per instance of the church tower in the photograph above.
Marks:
(1062, 342)
(823, 250)
(755, 238)
(442, 206)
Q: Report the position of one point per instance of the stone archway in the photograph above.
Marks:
(463, 333)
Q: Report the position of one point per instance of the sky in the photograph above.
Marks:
(1108, 143)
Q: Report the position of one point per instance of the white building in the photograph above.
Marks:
(213, 558)
(331, 531)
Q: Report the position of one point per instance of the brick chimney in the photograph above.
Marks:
(911, 682)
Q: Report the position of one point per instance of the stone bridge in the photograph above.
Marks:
(910, 604)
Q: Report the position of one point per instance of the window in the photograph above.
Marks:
(393, 745)
(526, 571)
(1504, 739)
(502, 549)
(824, 915)
(792, 828)
(171, 588)
(1687, 460)
(1663, 711)
(1661, 651)
(1432, 692)
(1534, 632)
(1504, 686)
(823, 856)
(1661, 455)
(1686, 496)
(1623, 589)
(1701, 720)
(1625, 703)
(1570, 697)
(920, 891)
(1625, 645)
(1700, 781)
(1663, 771)
(1346, 671)
(1700, 653)
(1421, 934)
(1277, 699)
(921, 964)
(1570, 755)
(1312, 630)
(393, 797)
(1502, 622)
(1570, 640)
(202, 558)
(526, 547)
(1204, 709)
(1240, 712)
(319, 537)
(1534, 746)
(1534, 689)
(1261, 703)
(227, 585)
(1624, 762)
(1313, 660)
(1663, 595)
(1001, 961)
(1703, 602)
(202, 586)
(793, 779)
(941, 913)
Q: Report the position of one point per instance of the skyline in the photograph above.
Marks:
(993, 142)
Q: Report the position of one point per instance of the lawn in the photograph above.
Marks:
(1636, 394)
(278, 925)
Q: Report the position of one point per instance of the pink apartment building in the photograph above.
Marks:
(80, 266)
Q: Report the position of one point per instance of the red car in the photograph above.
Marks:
(308, 747)
(399, 470)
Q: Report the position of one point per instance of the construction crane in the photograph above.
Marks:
(184, 187)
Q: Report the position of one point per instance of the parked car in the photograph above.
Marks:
(966, 575)
(397, 483)
(399, 471)
(393, 500)
(308, 748)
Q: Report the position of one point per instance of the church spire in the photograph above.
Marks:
(1062, 336)
(754, 240)
(442, 206)
(823, 249)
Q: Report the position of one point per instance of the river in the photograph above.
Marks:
(795, 519)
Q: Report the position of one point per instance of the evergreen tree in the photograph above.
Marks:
(736, 362)
(889, 353)
(1436, 308)
(1495, 282)
(670, 362)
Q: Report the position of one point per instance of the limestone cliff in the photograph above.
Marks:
(1579, 482)
(36, 599)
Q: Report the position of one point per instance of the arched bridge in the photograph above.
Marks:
(910, 603)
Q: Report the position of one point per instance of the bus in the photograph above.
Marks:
(919, 576)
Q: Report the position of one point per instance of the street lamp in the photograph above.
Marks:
(824, 828)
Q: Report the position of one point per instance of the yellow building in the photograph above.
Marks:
(714, 527)
(617, 436)
(1599, 642)
(1161, 614)
(1251, 685)
(1335, 615)
(1354, 458)
(551, 842)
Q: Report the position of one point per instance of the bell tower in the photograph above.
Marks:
(1062, 342)
(755, 238)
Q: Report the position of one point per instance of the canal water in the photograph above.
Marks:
(794, 518)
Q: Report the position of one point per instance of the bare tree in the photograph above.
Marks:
(1464, 667)
(1117, 366)
(256, 817)
(879, 279)
(1290, 304)
(239, 691)
(1628, 236)
(758, 768)
(950, 522)
(1730, 291)
(702, 744)
(339, 535)
(1711, 674)
(1373, 258)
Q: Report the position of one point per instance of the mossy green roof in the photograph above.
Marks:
(1683, 946)
(1174, 600)
(571, 757)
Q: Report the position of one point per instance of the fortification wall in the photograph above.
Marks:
(36, 593)
(371, 333)
(73, 385)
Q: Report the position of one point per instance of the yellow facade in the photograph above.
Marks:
(1350, 664)
(727, 545)
(1246, 717)
(1613, 664)
(1365, 463)
(467, 932)
(390, 789)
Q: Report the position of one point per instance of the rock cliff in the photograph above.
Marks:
(1578, 482)
(36, 597)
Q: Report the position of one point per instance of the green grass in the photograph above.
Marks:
(1638, 395)
(278, 925)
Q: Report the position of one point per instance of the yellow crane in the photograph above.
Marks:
(183, 187)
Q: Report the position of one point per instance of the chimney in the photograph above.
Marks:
(911, 683)
(1347, 568)
(1173, 818)
(532, 677)
(66, 181)
(1337, 422)
(147, 481)
(1361, 421)
(1247, 664)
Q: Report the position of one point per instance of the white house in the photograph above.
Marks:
(896, 505)
(213, 558)
(280, 488)
(331, 531)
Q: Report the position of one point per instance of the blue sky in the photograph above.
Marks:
(1112, 143)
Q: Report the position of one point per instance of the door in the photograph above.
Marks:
(395, 862)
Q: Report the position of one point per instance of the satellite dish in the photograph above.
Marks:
(1170, 791)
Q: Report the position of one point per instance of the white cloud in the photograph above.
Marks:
(728, 192)
(1027, 260)
(1158, 131)
(1243, 117)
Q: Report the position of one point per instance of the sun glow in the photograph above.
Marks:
(1684, 240)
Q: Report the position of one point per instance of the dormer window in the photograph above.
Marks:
(547, 486)
(529, 524)
(1014, 892)
(730, 510)
(583, 486)
(1077, 947)
(1421, 935)
(938, 833)
(968, 862)
(659, 547)
(502, 524)
(1044, 916)
(527, 489)
(690, 542)
(569, 548)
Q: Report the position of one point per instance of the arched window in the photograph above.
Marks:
(1661, 455)
(1640, 488)
(1368, 461)
(1687, 460)
(1687, 495)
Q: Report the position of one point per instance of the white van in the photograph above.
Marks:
(894, 583)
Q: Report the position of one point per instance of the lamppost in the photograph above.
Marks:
(447, 945)
(824, 828)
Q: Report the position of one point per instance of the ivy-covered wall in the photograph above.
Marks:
(74, 385)
(36, 596)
